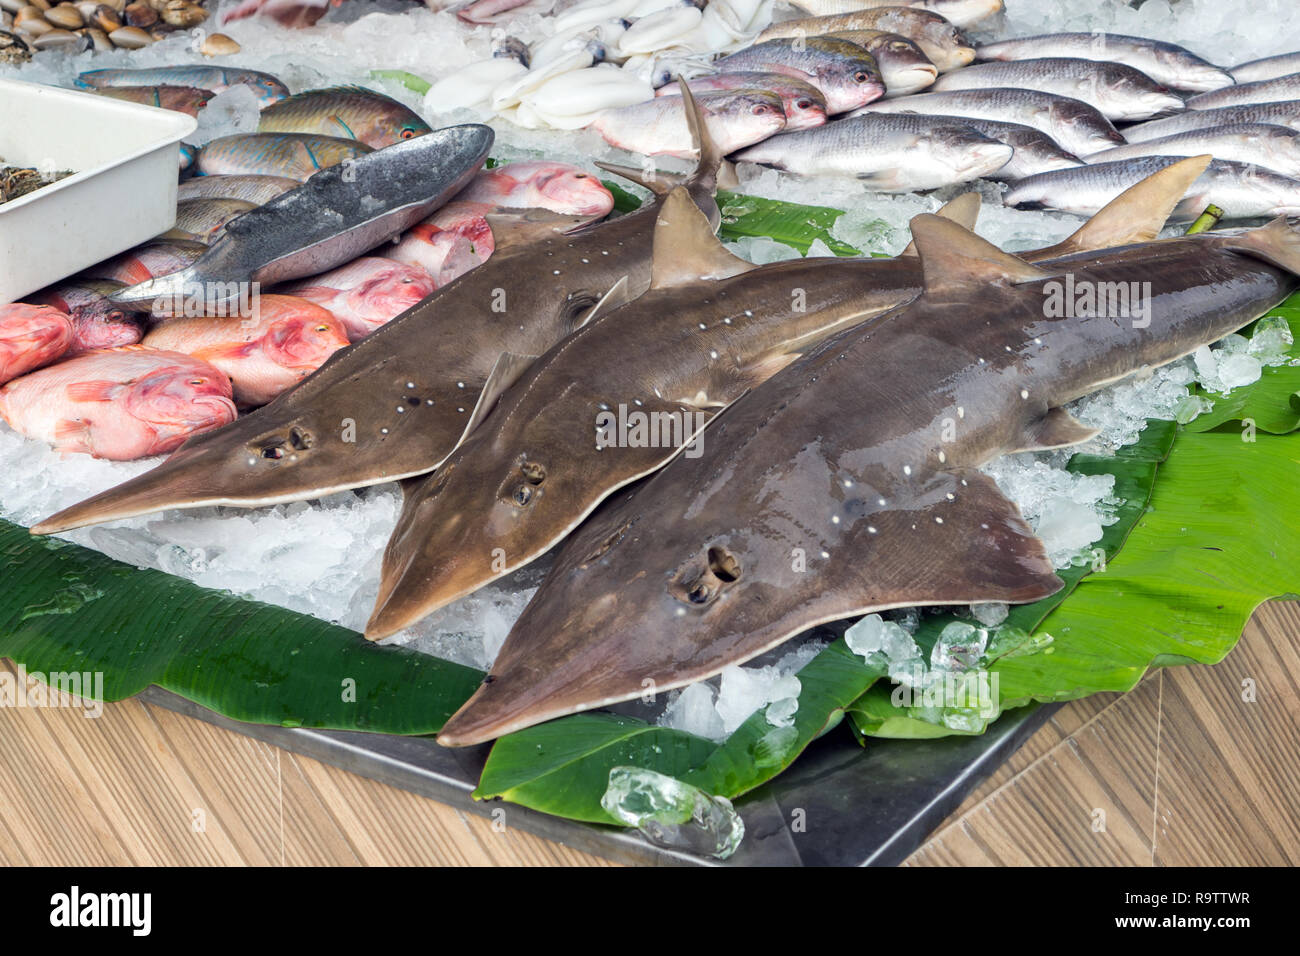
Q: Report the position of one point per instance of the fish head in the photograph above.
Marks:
(268, 89)
(851, 82)
(1194, 77)
(31, 336)
(503, 498)
(961, 152)
(96, 320)
(391, 289)
(1145, 99)
(574, 191)
(1084, 124)
(949, 47)
(803, 110)
(748, 116)
(909, 69)
(304, 343)
(180, 401)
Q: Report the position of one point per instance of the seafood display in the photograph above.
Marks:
(626, 405)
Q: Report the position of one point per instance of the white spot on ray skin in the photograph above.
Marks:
(383, 431)
(961, 411)
(1024, 393)
(410, 385)
(907, 469)
(871, 529)
(835, 519)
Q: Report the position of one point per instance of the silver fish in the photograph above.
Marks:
(1241, 191)
(1119, 92)
(804, 104)
(1035, 151)
(333, 218)
(1076, 126)
(1267, 68)
(889, 153)
(1280, 114)
(1167, 63)
(215, 78)
(846, 74)
(735, 118)
(205, 220)
(942, 43)
(961, 13)
(1272, 147)
(1261, 91)
(251, 188)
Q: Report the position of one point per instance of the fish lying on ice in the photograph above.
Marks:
(339, 214)
(943, 44)
(31, 336)
(847, 75)
(803, 104)
(1261, 91)
(283, 341)
(1241, 191)
(1117, 91)
(157, 257)
(212, 78)
(889, 153)
(1273, 147)
(287, 13)
(97, 322)
(293, 155)
(903, 67)
(457, 237)
(366, 293)
(710, 328)
(962, 13)
(347, 112)
(1078, 127)
(831, 490)
(205, 220)
(180, 99)
(1034, 151)
(395, 404)
(120, 403)
(1267, 68)
(256, 189)
(657, 127)
(1278, 114)
(1166, 63)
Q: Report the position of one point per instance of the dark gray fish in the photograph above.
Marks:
(833, 489)
(1167, 63)
(1279, 114)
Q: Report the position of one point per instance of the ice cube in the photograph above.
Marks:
(671, 813)
(990, 613)
(959, 647)
(233, 110)
(1238, 369)
(693, 711)
(1271, 343)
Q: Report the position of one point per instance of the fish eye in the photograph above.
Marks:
(523, 494)
(861, 76)
(408, 133)
(899, 47)
(699, 594)
(198, 381)
(274, 452)
(759, 109)
(322, 328)
(804, 104)
(579, 175)
(533, 473)
(115, 316)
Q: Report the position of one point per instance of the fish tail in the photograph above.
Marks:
(1277, 243)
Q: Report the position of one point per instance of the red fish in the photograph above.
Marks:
(31, 336)
(281, 343)
(449, 243)
(366, 293)
(96, 322)
(122, 403)
(158, 257)
(287, 13)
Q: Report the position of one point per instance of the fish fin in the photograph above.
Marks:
(964, 210)
(514, 230)
(616, 297)
(95, 391)
(685, 248)
(507, 370)
(1057, 429)
(71, 433)
(1135, 215)
(1277, 243)
(760, 371)
(954, 258)
(707, 166)
(659, 183)
(707, 149)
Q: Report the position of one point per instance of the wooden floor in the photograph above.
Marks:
(1182, 771)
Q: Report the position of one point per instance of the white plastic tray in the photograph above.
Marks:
(123, 191)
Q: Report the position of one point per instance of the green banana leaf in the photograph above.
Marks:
(1273, 403)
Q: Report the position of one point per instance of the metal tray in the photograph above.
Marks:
(860, 806)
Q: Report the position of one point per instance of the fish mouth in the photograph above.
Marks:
(911, 79)
(983, 159)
